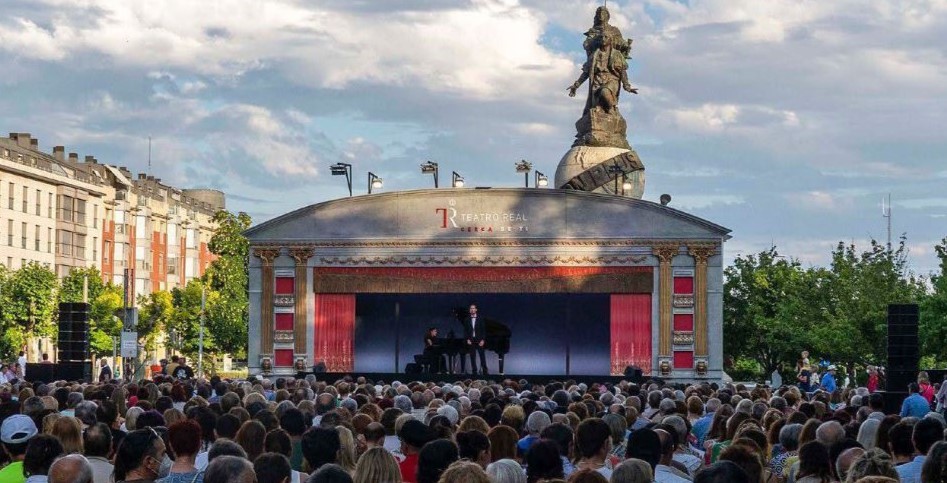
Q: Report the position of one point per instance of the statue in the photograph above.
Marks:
(606, 67)
(601, 160)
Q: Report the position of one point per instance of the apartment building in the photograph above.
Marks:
(66, 213)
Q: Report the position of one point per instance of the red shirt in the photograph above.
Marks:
(409, 468)
(872, 383)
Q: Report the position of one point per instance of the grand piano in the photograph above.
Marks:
(497, 340)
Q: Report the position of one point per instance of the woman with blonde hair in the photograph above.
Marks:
(49, 420)
(464, 472)
(377, 464)
(172, 416)
(347, 450)
(473, 423)
(69, 432)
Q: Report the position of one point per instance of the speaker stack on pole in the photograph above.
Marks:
(74, 361)
(903, 354)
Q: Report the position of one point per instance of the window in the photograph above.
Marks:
(107, 252)
(39, 195)
(65, 243)
(192, 239)
(23, 235)
(141, 226)
(10, 262)
(95, 249)
(49, 207)
(190, 267)
(80, 212)
(10, 194)
(172, 265)
(26, 194)
(66, 208)
(140, 253)
(9, 233)
(36, 241)
(172, 234)
(95, 216)
(49, 240)
(120, 253)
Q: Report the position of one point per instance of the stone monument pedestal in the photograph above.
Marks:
(595, 169)
(598, 128)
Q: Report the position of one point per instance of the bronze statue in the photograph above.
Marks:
(606, 69)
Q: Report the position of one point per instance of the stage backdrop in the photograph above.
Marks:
(389, 330)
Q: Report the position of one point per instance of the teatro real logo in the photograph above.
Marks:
(483, 222)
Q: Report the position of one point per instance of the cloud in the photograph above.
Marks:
(697, 202)
(922, 203)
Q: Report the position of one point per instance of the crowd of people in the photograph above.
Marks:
(286, 430)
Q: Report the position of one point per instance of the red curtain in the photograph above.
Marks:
(283, 358)
(285, 285)
(683, 359)
(335, 331)
(684, 322)
(285, 320)
(631, 332)
(684, 285)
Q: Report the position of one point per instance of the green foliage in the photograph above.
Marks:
(228, 282)
(155, 312)
(774, 308)
(104, 300)
(933, 323)
(30, 300)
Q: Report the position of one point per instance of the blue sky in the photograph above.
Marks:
(786, 121)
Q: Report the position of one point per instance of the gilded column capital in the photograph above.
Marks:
(266, 255)
(665, 252)
(301, 255)
(702, 253)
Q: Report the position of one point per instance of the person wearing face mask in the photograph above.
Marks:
(139, 457)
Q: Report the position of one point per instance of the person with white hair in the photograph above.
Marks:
(682, 454)
(506, 471)
(403, 403)
(535, 424)
(449, 412)
(73, 468)
(868, 433)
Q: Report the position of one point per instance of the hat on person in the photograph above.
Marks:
(17, 429)
(415, 433)
(832, 367)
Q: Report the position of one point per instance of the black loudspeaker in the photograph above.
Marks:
(73, 371)
(73, 332)
(37, 372)
(634, 374)
(903, 354)
(412, 368)
(319, 368)
(893, 400)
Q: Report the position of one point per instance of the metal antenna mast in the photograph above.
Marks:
(149, 154)
(886, 213)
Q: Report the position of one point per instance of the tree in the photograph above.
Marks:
(30, 299)
(227, 280)
(933, 323)
(155, 313)
(766, 316)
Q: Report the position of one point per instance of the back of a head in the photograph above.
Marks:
(722, 472)
(927, 431)
(377, 464)
(321, 446)
(632, 470)
(225, 447)
(506, 471)
(330, 473)
(272, 467)
(874, 462)
(229, 469)
(644, 444)
(72, 468)
(464, 472)
(97, 440)
(41, 451)
(434, 458)
(590, 436)
(900, 438)
(543, 461)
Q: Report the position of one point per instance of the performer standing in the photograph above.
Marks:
(475, 333)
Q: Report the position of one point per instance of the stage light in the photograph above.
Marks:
(541, 180)
(343, 169)
(430, 167)
(625, 186)
(524, 167)
(374, 182)
(457, 180)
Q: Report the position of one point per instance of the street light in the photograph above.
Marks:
(373, 182)
(540, 181)
(457, 180)
(524, 167)
(625, 185)
(616, 170)
(343, 169)
(430, 167)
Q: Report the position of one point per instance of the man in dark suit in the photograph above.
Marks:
(475, 333)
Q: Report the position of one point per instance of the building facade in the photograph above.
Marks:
(68, 213)
(588, 284)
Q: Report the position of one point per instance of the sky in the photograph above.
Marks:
(785, 121)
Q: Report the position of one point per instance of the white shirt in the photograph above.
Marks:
(22, 361)
(691, 462)
(664, 474)
(200, 461)
(473, 326)
(101, 469)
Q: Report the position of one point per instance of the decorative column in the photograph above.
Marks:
(301, 317)
(267, 256)
(701, 254)
(665, 254)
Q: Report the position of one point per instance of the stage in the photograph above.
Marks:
(586, 283)
(388, 378)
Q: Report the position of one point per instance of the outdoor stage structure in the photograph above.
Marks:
(588, 283)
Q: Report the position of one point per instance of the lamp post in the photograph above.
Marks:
(540, 180)
(374, 182)
(343, 169)
(430, 167)
(200, 343)
(457, 181)
(616, 170)
(524, 167)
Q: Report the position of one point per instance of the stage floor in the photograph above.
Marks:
(382, 378)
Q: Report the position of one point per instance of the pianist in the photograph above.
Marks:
(433, 352)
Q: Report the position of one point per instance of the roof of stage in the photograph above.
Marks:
(455, 214)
